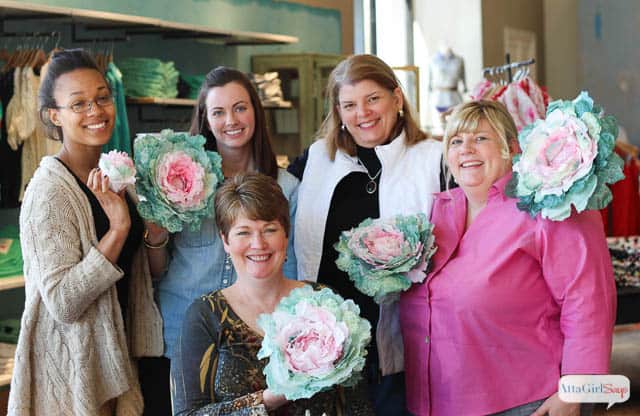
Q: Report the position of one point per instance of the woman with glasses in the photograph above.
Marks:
(89, 308)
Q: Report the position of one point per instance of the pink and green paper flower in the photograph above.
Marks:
(385, 256)
(120, 169)
(314, 340)
(177, 179)
(567, 160)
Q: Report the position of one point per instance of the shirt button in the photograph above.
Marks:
(225, 281)
(227, 267)
(426, 339)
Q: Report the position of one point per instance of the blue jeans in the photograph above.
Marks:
(527, 409)
(387, 393)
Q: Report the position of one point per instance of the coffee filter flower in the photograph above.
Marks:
(120, 169)
(177, 179)
(567, 160)
(314, 340)
(385, 256)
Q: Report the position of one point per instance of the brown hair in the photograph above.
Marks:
(263, 155)
(352, 70)
(254, 195)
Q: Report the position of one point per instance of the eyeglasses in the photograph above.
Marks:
(85, 106)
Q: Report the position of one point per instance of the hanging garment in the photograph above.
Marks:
(34, 146)
(120, 138)
(9, 159)
(22, 111)
(525, 100)
(622, 216)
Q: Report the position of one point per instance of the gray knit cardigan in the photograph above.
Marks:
(73, 357)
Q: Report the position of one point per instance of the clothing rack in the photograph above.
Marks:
(508, 67)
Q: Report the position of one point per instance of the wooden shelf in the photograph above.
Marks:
(7, 283)
(284, 105)
(190, 103)
(137, 25)
(162, 101)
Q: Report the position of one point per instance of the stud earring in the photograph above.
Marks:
(401, 112)
(343, 127)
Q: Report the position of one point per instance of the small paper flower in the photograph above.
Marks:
(177, 179)
(314, 340)
(385, 256)
(567, 160)
(119, 167)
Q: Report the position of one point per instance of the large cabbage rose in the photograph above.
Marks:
(314, 340)
(567, 160)
(385, 256)
(177, 179)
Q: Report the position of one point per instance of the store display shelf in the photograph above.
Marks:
(190, 103)
(137, 25)
(161, 101)
(284, 105)
(7, 283)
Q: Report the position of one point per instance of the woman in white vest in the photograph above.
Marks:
(371, 160)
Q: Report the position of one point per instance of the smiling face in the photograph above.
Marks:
(91, 128)
(257, 248)
(231, 116)
(369, 111)
(476, 159)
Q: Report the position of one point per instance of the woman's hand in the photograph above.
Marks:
(553, 406)
(272, 401)
(155, 233)
(114, 205)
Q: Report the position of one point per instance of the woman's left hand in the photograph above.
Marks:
(553, 406)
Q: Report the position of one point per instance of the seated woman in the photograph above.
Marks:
(215, 370)
(512, 302)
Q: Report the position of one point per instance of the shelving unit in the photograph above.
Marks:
(162, 101)
(304, 78)
(7, 283)
(187, 102)
(127, 25)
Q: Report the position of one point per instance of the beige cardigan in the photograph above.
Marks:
(73, 356)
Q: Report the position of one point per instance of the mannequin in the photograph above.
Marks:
(446, 73)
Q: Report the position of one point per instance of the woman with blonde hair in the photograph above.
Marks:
(371, 160)
(507, 308)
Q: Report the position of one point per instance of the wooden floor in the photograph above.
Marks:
(625, 360)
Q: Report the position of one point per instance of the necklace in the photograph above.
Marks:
(371, 185)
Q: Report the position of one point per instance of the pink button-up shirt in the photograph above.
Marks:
(510, 305)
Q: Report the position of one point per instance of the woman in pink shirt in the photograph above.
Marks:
(512, 302)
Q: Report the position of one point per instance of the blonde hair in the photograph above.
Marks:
(466, 117)
(352, 70)
(254, 195)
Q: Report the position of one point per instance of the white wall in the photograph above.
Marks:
(561, 47)
(457, 23)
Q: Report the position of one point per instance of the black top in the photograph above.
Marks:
(350, 205)
(296, 168)
(131, 244)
